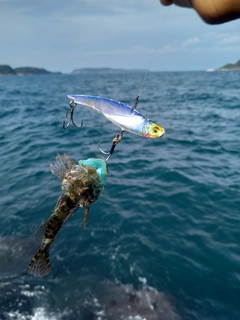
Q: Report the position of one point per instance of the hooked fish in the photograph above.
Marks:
(121, 114)
(82, 184)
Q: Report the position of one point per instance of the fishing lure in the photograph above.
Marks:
(82, 184)
(121, 114)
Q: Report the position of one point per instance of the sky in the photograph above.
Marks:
(61, 35)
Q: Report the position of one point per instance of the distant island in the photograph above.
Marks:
(104, 70)
(6, 70)
(229, 66)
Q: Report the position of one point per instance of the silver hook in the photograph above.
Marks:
(101, 148)
(115, 141)
(72, 105)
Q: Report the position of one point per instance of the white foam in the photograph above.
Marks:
(142, 280)
(39, 314)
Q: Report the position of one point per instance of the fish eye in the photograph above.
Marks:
(155, 130)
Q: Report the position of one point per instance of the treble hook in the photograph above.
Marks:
(115, 141)
(72, 105)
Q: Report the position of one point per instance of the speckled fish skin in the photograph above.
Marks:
(121, 114)
(82, 185)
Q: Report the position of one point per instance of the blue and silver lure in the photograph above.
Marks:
(121, 114)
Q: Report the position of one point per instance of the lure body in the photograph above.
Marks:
(82, 185)
(121, 114)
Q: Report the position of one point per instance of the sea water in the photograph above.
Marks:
(168, 220)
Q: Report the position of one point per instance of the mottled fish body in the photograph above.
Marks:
(82, 185)
(121, 114)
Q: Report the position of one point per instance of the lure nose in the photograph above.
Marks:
(153, 130)
(162, 132)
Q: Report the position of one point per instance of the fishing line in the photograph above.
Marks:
(153, 55)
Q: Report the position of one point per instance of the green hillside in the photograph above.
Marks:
(229, 66)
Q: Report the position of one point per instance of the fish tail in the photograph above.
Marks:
(40, 264)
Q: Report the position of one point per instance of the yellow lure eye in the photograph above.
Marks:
(156, 131)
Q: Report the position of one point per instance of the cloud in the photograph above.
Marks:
(230, 39)
(63, 35)
(224, 38)
(190, 42)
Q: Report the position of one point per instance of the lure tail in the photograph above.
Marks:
(40, 264)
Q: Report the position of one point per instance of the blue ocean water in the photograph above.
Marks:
(168, 222)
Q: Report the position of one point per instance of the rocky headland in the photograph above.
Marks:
(230, 66)
(6, 70)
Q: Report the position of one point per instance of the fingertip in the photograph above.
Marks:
(166, 2)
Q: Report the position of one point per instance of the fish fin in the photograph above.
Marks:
(40, 264)
(40, 232)
(86, 212)
(61, 166)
